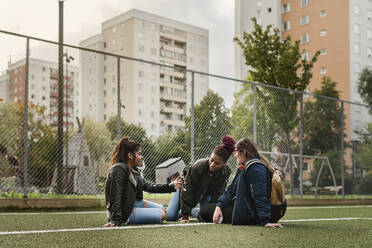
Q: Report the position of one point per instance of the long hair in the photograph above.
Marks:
(249, 147)
(122, 149)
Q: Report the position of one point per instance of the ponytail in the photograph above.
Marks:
(122, 149)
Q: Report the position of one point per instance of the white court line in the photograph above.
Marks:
(324, 219)
(160, 225)
(103, 212)
(103, 228)
(321, 207)
(55, 213)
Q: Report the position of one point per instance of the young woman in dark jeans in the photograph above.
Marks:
(246, 200)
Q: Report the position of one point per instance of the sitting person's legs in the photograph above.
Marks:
(173, 210)
(207, 211)
(146, 216)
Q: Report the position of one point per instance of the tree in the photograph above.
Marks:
(323, 128)
(100, 145)
(212, 122)
(364, 153)
(242, 119)
(365, 87)
(42, 140)
(277, 63)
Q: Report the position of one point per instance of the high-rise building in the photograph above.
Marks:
(43, 87)
(155, 98)
(341, 30)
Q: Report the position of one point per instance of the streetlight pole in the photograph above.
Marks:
(68, 59)
(60, 101)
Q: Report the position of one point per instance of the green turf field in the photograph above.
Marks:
(323, 231)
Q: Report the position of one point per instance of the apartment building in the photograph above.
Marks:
(155, 98)
(43, 87)
(341, 30)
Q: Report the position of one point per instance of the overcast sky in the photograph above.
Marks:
(83, 19)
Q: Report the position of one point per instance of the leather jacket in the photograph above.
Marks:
(120, 194)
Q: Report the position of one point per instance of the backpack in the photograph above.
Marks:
(277, 199)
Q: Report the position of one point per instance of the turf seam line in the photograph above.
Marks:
(162, 225)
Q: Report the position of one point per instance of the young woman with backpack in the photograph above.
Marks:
(246, 200)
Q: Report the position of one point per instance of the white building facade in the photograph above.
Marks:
(153, 97)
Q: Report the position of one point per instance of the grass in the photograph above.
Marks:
(352, 233)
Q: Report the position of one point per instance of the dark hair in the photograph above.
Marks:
(226, 149)
(249, 147)
(122, 149)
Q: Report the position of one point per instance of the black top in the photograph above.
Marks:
(199, 182)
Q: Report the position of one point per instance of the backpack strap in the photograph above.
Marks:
(250, 162)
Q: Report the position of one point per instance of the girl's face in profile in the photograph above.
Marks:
(138, 158)
(239, 156)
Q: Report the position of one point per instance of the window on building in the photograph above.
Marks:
(356, 9)
(140, 35)
(43, 98)
(153, 127)
(323, 70)
(152, 114)
(356, 29)
(104, 105)
(286, 8)
(305, 38)
(141, 74)
(140, 86)
(323, 51)
(113, 91)
(369, 33)
(357, 48)
(323, 13)
(369, 52)
(114, 29)
(104, 82)
(32, 96)
(140, 112)
(104, 93)
(113, 41)
(140, 99)
(286, 25)
(305, 56)
(304, 3)
(323, 33)
(153, 51)
(307, 166)
(43, 69)
(369, 15)
(305, 19)
(104, 117)
(141, 48)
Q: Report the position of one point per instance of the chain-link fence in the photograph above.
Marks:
(318, 142)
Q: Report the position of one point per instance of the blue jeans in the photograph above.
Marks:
(145, 212)
(174, 208)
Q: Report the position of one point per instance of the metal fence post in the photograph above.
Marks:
(255, 113)
(118, 98)
(301, 142)
(60, 102)
(192, 119)
(25, 124)
(342, 150)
